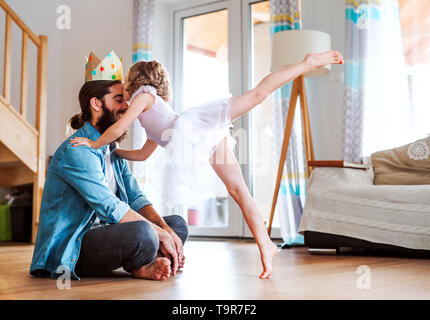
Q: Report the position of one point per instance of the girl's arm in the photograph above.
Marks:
(139, 104)
(140, 154)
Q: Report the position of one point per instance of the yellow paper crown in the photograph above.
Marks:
(110, 68)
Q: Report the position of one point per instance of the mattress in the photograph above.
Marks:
(345, 202)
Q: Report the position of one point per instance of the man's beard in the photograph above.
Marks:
(106, 120)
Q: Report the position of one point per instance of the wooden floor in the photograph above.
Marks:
(229, 269)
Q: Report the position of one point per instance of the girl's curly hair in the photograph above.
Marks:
(150, 73)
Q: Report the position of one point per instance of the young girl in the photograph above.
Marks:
(197, 138)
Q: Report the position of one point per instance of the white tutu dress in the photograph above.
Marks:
(190, 139)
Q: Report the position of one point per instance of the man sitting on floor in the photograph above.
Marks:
(85, 184)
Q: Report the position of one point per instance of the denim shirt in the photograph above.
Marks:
(75, 193)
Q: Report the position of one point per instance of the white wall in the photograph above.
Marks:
(98, 25)
(103, 25)
(325, 94)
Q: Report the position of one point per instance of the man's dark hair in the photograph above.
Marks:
(91, 89)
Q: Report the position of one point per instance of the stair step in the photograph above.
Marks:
(6, 156)
(15, 174)
(9, 164)
(17, 137)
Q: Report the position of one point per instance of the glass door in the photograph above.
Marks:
(263, 163)
(203, 71)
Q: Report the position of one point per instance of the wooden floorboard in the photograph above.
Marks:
(229, 269)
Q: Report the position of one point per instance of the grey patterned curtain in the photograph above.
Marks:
(376, 105)
(286, 15)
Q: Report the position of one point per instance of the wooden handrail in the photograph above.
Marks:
(26, 34)
(20, 23)
(41, 112)
(39, 131)
(7, 59)
(24, 73)
(16, 114)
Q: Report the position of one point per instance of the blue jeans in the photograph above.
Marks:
(130, 245)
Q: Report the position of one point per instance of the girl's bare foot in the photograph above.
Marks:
(267, 254)
(159, 269)
(318, 60)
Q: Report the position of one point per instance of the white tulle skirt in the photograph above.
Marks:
(188, 177)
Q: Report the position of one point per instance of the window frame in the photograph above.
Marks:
(240, 80)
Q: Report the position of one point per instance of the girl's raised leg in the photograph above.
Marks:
(247, 101)
(227, 168)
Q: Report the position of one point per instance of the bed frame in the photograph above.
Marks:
(326, 243)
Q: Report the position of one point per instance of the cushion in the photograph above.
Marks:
(405, 165)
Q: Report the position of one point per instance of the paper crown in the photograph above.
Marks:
(110, 68)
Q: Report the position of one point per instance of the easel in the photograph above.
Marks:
(298, 89)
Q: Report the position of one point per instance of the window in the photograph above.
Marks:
(263, 169)
(202, 72)
(212, 60)
(205, 70)
(414, 16)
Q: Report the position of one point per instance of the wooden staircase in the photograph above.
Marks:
(22, 146)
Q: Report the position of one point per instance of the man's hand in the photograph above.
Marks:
(168, 248)
(179, 248)
(149, 213)
(167, 244)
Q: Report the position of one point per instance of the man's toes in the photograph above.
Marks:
(167, 270)
(164, 275)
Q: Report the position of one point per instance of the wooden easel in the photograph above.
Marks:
(297, 90)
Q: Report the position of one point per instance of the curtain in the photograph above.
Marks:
(286, 15)
(376, 105)
(414, 21)
(143, 12)
(147, 173)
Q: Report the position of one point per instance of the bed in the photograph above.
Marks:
(344, 210)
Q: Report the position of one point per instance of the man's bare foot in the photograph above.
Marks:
(159, 269)
(318, 60)
(267, 255)
(181, 262)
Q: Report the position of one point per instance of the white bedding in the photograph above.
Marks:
(344, 201)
